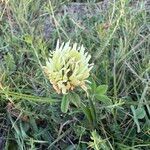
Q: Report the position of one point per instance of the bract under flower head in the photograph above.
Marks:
(68, 67)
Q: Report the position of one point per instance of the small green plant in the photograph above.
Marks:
(68, 68)
(97, 142)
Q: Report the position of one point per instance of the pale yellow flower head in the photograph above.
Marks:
(68, 67)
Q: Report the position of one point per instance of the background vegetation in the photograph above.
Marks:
(30, 115)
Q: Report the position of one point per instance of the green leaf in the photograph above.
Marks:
(75, 99)
(102, 89)
(64, 104)
(104, 98)
(87, 113)
(140, 113)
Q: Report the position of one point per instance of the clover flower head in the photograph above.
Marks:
(68, 67)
